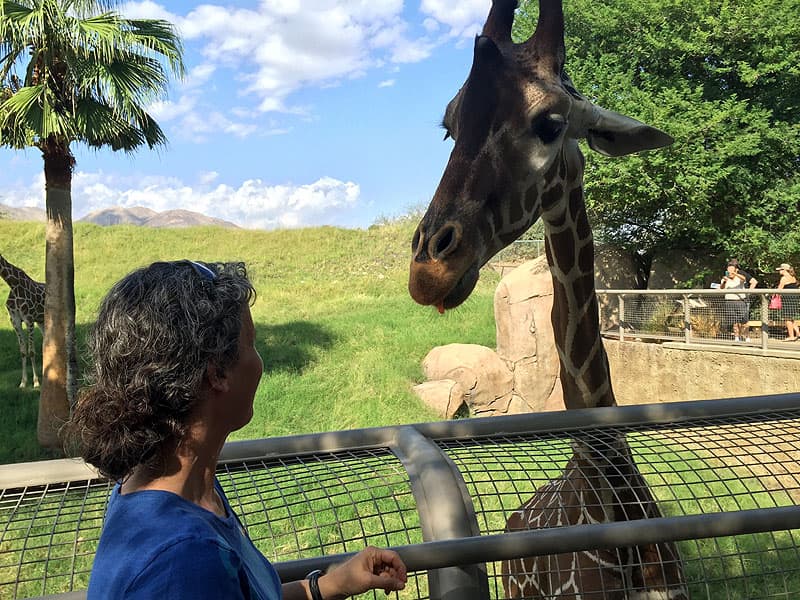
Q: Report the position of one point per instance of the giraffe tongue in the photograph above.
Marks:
(440, 307)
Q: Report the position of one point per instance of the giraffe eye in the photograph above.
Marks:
(447, 131)
(548, 127)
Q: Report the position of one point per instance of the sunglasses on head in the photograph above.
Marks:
(202, 270)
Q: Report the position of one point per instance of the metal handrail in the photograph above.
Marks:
(764, 294)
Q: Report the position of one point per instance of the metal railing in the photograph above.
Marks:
(725, 475)
(700, 316)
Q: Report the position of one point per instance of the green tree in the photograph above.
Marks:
(721, 77)
(76, 71)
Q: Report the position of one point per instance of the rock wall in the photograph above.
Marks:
(644, 373)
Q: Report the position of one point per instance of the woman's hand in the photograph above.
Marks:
(370, 569)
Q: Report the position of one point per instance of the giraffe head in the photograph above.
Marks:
(515, 123)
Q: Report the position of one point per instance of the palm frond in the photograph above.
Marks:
(89, 72)
(34, 108)
(100, 125)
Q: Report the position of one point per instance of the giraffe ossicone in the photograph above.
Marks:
(25, 306)
(516, 123)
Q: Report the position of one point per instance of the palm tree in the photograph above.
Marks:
(75, 71)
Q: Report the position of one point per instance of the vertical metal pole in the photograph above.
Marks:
(764, 322)
(687, 319)
(621, 317)
(445, 512)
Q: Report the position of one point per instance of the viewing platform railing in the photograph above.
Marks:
(705, 316)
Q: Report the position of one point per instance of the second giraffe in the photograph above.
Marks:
(25, 306)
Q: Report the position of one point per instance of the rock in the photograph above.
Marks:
(484, 377)
(675, 269)
(445, 396)
(522, 306)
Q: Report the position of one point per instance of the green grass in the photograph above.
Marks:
(341, 339)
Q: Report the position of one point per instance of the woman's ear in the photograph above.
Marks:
(217, 377)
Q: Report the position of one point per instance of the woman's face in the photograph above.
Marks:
(244, 375)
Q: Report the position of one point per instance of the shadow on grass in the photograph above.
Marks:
(291, 347)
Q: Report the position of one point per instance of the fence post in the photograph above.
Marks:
(687, 319)
(445, 511)
(621, 317)
(764, 322)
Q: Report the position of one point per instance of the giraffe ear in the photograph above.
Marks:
(614, 134)
(486, 52)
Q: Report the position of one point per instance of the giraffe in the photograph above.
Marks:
(25, 305)
(515, 124)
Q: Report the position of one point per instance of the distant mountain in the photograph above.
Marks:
(144, 217)
(25, 213)
(185, 218)
(118, 215)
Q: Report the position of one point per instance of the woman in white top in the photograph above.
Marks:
(737, 305)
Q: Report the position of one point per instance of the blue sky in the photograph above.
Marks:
(293, 113)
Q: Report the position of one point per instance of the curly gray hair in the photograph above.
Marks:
(158, 330)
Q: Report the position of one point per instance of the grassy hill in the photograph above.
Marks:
(341, 339)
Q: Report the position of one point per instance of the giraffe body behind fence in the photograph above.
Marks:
(25, 306)
(515, 123)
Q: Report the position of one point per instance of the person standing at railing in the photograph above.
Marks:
(174, 370)
(789, 304)
(738, 308)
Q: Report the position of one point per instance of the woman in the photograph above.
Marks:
(790, 304)
(737, 306)
(174, 370)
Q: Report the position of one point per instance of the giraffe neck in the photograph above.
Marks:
(569, 244)
(16, 278)
(11, 275)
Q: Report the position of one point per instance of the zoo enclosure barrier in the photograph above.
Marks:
(725, 474)
(700, 315)
(520, 251)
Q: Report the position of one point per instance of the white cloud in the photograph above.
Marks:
(208, 177)
(252, 204)
(387, 83)
(146, 9)
(465, 18)
(276, 48)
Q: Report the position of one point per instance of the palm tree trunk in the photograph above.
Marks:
(58, 348)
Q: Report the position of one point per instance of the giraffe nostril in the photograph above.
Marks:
(444, 242)
(415, 241)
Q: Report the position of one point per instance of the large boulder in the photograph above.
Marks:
(484, 380)
(522, 305)
(445, 396)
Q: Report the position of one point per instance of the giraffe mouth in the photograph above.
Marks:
(461, 290)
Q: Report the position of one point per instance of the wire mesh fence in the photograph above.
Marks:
(306, 497)
(708, 316)
(520, 251)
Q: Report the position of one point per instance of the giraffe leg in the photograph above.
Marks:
(32, 354)
(16, 322)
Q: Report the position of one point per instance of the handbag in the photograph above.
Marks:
(775, 302)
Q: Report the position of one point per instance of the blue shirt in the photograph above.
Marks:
(155, 544)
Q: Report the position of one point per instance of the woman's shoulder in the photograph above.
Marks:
(149, 531)
(161, 512)
(178, 567)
